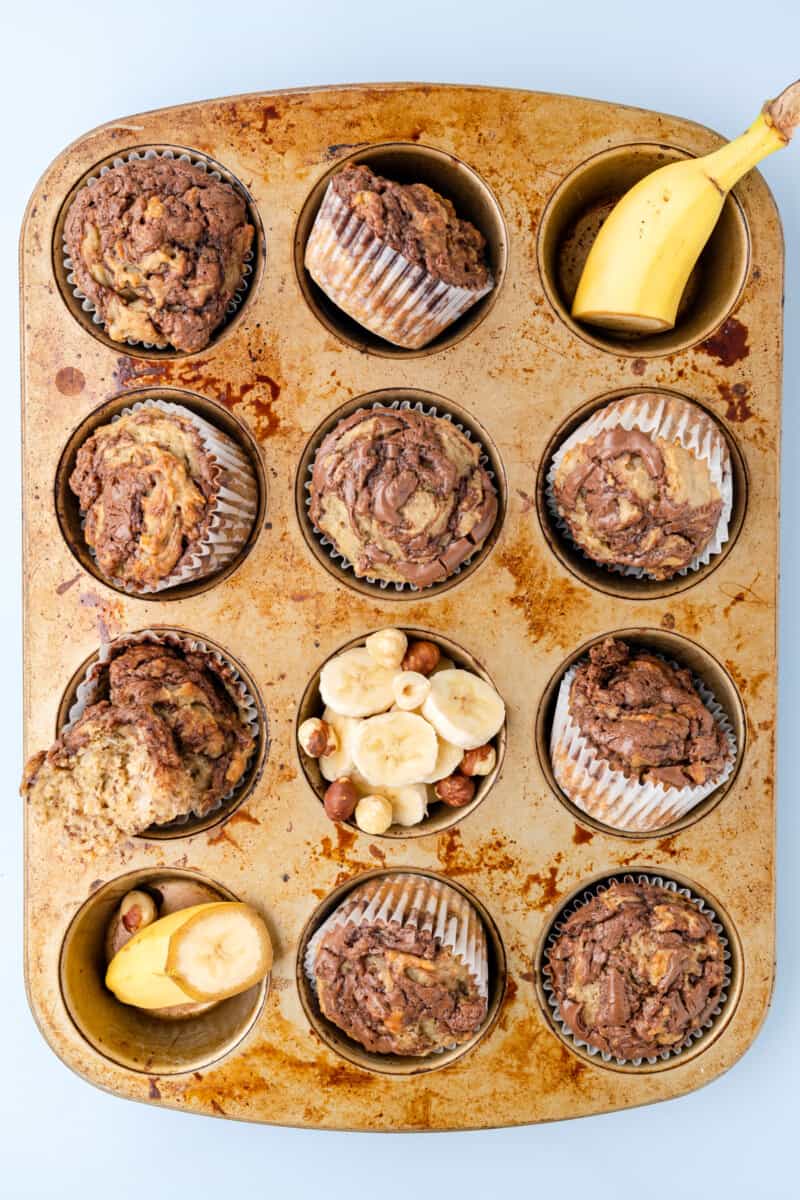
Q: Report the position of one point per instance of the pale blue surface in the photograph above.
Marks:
(707, 60)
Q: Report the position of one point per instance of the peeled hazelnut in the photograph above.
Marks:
(422, 657)
(136, 910)
(387, 647)
(373, 814)
(455, 790)
(317, 738)
(480, 761)
(410, 689)
(340, 799)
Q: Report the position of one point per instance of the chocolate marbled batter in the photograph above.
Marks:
(402, 495)
(159, 246)
(645, 717)
(636, 969)
(419, 223)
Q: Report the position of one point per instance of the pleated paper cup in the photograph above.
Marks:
(376, 285)
(673, 419)
(610, 796)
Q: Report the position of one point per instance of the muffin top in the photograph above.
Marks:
(646, 717)
(418, 223)
(402, 495)
(147, 488)
(158, 246)
(631, 498)
(165, 741)
(636, 969)
(395, 988)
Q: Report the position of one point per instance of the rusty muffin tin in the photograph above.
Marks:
(534, 170)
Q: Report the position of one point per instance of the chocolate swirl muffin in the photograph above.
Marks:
(167, 740)
(636, 970)
(643, 494)
(401, 495)
(158, 246)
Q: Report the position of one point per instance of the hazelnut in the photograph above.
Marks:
(317, 738)
(373, 814)
(422, 657)
(136, 910)
(341, 799)
(410, 689)
(455, 790)
(480, 761)
(387, 647)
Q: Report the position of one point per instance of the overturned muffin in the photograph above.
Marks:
(159, 246)
(636, 969)
(165, 496)
(168, 740)
(400, 966)
(396, 256)
(402, 495)
(645, 484)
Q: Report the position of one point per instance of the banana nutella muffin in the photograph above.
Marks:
(401, 495)
(636, 970)
(396, 256)
(401, 966)
(166, 497)
(158, 246)
(633, 742)
(167, 739)
(644, 486)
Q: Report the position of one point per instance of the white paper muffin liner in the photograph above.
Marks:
(92, 688)
(420, 902)
(610, 796)
(204, 164)
(384, 584)
(669, 1051)
(673, 419)
(376, 285)
(234, 512)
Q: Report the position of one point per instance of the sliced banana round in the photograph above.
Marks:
(394, 749)
(334, 766)
(353, 684)
(463, 708)
(448, 758)
(409, 803)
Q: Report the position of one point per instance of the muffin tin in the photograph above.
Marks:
(535, 168)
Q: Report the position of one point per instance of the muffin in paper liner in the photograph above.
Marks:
(376, 285)
(609, 795)
(230, 522)
(204, 164)
(384, 584)
(418, 901)
(672, 419)
(669, 1052)
(91, 689)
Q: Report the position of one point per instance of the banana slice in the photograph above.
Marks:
(206, 952)
(409, 804)
(354, 685)
(448, 758)
(334, 766)
(394, 749)
(463, 708)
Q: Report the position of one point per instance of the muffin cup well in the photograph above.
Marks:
(132, 1037)
(672, 419)
(608, 795)
(432, 406)
(470, 925)
(90, 685)
(697, 1039)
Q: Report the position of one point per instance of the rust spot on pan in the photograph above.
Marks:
(70, 381)
(736, 398)
(729, 344)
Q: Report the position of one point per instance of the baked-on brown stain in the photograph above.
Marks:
(546, 883)
(152, 1089)
(67, 584)
(550, 604)
(729, 344)
(243, 817)
(581, 836)
(736, 398)
(70, 381)
(491, 857)
(221, 835)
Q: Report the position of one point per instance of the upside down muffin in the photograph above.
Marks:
(636, 969)
(402, 495)
(159, 246)
(388, 972)
(166, 740)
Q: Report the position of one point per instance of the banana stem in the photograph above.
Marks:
(784, 111)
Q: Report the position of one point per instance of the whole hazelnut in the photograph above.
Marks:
(455, 790)
(340, 799)
(422, 657)
(317, 738)
(373, 814)
(480, 761)
(410, 689)
(387, 647)
(136, 910)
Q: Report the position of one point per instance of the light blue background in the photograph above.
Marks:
(66, 67)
